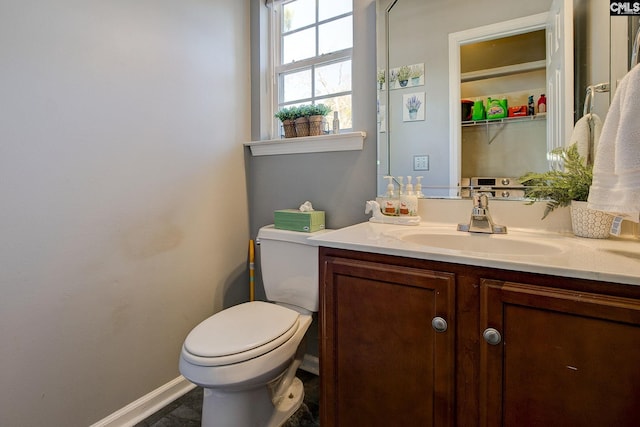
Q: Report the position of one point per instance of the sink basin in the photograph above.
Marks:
(500, 244)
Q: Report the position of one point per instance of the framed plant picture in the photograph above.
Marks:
(406, 76)
(413, 107)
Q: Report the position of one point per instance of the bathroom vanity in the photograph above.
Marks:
(423, 326)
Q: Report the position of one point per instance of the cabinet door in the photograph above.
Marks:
(562, 358)
(382, 361)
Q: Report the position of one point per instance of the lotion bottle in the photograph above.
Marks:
(418, 187)
(389, 201)
(401, 209)
(408, 200)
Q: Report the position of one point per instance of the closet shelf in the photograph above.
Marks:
(541, 116)
(308, 144)
(503, 71)
(507, 120)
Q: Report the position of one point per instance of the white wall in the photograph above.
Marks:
(123, 216)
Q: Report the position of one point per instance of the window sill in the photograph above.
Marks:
(351, 141)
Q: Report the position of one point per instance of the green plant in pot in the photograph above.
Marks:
(381, 79)
(416, 73)
(568, 187)
(403, 75)
(317, 113)
(393, 77)
(287, 116)
(302, 120)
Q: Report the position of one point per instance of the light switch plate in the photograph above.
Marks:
(421, 163)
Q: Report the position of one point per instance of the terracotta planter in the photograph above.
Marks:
(302, 126)
(316, 125)
(289, 128)
(589, 223)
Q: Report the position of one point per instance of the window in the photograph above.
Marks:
(313, 42)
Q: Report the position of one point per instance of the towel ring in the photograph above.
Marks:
(589, 96)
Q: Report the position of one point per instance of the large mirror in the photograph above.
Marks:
(418, 71)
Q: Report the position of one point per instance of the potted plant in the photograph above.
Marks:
(393, 77)
(413, 105)
(381, 79)
(317, 113)
(302, 120)
(416, 73)
(286, 116)
(569, 187)
(403, 75)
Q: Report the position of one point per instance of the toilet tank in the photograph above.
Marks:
(289, 265)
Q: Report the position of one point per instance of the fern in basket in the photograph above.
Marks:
(560, 187)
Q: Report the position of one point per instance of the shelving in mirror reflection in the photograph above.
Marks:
(504, 188)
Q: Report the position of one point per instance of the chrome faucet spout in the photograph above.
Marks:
(481, 221)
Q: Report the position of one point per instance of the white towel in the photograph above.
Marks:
(589, 126)
(616, 170)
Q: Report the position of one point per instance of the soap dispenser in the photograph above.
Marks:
(389, 201)
(408, 200)
(418, 187)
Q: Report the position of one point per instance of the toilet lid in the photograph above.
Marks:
(240, 329)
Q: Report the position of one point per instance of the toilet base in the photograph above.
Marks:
(250, 408)
(289, 404)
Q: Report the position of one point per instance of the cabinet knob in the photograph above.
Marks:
(492, 336)
(439, 324)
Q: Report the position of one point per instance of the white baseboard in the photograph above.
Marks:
(159, 398)
(311, 364)
(147, 404)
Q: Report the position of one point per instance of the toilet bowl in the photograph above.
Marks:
(245, 357)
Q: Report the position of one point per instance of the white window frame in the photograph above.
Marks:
(278, 70)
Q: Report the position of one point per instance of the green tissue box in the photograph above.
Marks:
(294, 220)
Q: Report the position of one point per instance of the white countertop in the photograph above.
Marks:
(612, 260)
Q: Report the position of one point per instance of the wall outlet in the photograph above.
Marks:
(421, 163)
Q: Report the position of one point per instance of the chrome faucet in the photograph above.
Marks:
(481, 221)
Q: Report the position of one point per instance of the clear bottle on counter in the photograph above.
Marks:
(336, 122)
(389, 201)
(408, 200)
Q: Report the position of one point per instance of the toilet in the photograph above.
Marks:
(246, 357)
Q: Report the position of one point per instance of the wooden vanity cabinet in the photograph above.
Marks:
(563, 357)
(387, 353)
(519, 349)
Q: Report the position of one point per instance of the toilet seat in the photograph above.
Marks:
(240, 333)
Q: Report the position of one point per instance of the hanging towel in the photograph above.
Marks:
(586, 135)
(616, 171)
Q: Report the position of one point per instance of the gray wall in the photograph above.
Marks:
(337, 182)
(124, 213)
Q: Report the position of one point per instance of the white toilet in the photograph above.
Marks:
(246, 357)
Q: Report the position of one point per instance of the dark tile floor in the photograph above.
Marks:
(185, 412)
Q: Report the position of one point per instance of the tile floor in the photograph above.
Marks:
(185, 412)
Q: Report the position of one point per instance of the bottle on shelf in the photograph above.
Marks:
(496, 108)
(478, 111)
(542, 104)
